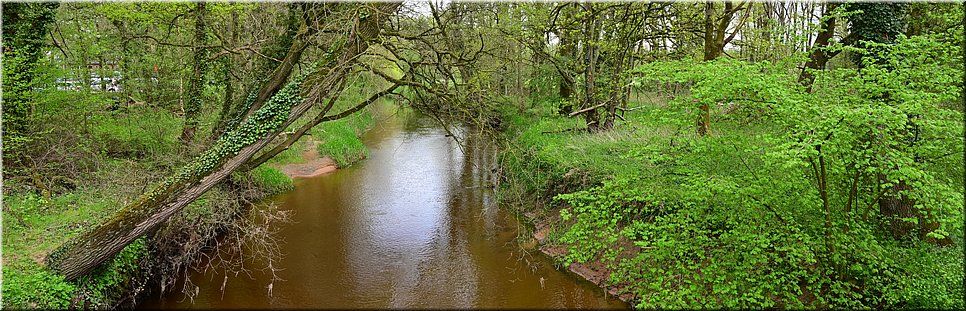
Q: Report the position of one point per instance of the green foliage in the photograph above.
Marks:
(267, 119)
(136, 133)
(275, 49)
(101, 286)
(84, 143)
(748, 89)
(33, 226)
(731, 220)
(934, 277)
(599, 212)
(36, 288)
(876, 23)
(544, 84)
(271, 180)
(341, 139)
(24, 29)
(736, 219)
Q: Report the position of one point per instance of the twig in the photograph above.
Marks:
(630, 109)
(586, 109)
(564, 130)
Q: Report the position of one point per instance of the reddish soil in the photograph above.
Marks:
(594, 271)
(313, 165)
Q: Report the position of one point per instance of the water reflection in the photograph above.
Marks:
(414, 226)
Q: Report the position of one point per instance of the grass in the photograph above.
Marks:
(271, 179)
(554, 157)
(124, 152)
(46, 224)
(34, 225)
(342, 139)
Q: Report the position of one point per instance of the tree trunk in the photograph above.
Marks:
(228, 63)
(818, 58)
(897, 206)
(715, 39)
(321, 117)
(24, 26)
(566, 87)
(568, 49)
(82, 254)
(278, 49)
(618, 91)
(711, 51)
(192, 106)
(591, 117)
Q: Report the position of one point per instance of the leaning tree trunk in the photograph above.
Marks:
(277, 50)
(321, 117)
(81, 255)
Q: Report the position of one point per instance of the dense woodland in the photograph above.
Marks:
(708, 154)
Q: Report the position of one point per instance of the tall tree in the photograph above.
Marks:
(716, 37)
(820, 54)
(591, 43)
(228, 79)
(192, 103)
(24, 31)
(567, 51)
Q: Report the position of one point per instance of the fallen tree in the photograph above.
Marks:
(279, 109)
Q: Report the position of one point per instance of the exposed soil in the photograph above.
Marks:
(312, 166)
(594, 270)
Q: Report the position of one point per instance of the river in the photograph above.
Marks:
(416, 225)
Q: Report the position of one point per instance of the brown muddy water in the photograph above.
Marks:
(416, 225)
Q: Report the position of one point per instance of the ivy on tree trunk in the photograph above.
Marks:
(83, 254)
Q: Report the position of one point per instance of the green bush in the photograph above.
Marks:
(736, 219)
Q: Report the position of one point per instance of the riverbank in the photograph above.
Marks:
(665, 219)
(312, 164)
(34, 224)
(415, 225)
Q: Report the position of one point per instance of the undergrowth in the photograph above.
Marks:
(688, 222)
